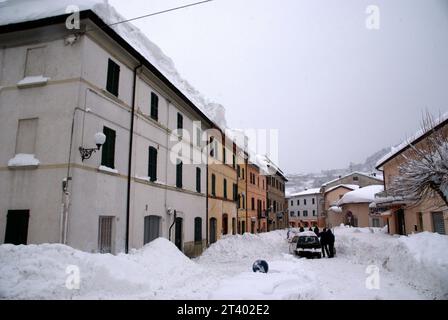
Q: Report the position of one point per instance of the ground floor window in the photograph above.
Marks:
(375, 222)
(105, 228)
(17, 227)
(152, 228)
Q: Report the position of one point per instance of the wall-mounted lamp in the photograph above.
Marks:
(100, 140)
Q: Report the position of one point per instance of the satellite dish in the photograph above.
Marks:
(260, 266)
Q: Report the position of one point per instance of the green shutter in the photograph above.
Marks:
(179, 175)
(154, 106)
(113, 78)
(180, 121)
(152, 164)
(225, 189)
(108, 153)
(198, 179)
(213, 185)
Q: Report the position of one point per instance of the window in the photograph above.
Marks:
(197, 229)
(224, 156)
(154, 106)
(314, 213)
(305, 213)
(108, 149)
(298, 213)
(113, 78)
(243, 197)
(375, 223)
(198, 180)
(180, 121)
(179, 168)
(292, 203)
(314, 201)
(298, 202)
(238, 170)
(235, 192)
(212, 147)
(225, 188)
(26, 136)
(213, 185)
(17, 227)
(242, 171)
(35, 63)
(253, 203)
(291, 213)
(198, 137)
(151, 228)
(233, 226)
(304, 202)
(355, 178)
(105, 225)
(152, 164)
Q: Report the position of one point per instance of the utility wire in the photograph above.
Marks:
(153, 14)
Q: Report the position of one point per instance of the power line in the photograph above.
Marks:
(154, 14)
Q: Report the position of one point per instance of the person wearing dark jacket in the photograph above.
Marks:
(316, 231)
(301, 229)
(330, 242)
(324, 242)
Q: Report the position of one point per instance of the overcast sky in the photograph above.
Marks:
(337, 91)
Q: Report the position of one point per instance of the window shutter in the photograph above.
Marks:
(152, 164)
(180, 121)
(179, 175)
(113, 78)
(154, 106)
(225, 189)
(198, 229)
(108, 153)
(198, 179)
(213, 185)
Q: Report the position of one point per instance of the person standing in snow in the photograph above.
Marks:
(330, 241)
(310, 229)
(301, 229)
(316, 230)
(324, 243)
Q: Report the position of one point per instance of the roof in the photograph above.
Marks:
(350, 174)
(362, 195)
(346, 186)
(21, 15)
(417, 137)
(305, 193)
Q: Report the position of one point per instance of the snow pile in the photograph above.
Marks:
(24, 160)
(421, 259)
(158, 271)
(15, 11)
(306, 192)
(361, 195)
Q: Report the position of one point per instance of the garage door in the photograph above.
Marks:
(438, 223)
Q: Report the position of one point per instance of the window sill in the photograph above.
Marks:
(23, 161)
(34, 81)
(108, 170)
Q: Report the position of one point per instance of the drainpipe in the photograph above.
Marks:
(206, 195)
(131, 141)
(172, 225)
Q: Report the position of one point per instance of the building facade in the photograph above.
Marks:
(256, 197)
(276, 199)
(56, 94)
(304, 208)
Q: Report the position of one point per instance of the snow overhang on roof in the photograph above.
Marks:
(418, 136)
(350, 174)
(362, 195)
(346, 186)
(305, 193)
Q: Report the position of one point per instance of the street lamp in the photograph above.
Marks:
(100, 139)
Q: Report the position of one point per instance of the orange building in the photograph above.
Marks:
(256, 200)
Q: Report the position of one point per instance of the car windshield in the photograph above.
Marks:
(308, 240)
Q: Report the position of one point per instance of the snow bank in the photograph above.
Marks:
(158, 271)
(421, 259)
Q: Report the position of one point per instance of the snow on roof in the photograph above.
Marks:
(16, 11)
(306, 192)
(397, 149)
(362, 195)
(349, 174)
(348, 186)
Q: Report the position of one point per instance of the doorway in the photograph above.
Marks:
(17, 227)
(178, 233)
(438, 223)
(213, 228)
(225, 224)
(401, 226)
(151, 228)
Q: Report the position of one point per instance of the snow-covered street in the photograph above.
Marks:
(414, 267)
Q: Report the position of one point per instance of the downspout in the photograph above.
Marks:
(131, 141)
(247, 196)
(206, 195)
(172, 225)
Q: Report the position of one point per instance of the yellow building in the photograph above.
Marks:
(222, 186)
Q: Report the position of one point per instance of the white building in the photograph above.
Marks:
(304, 208)
(60, 87)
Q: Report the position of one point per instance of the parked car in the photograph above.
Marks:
(306, 244)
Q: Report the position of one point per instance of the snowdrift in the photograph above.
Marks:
(420, 259)
(158, 271)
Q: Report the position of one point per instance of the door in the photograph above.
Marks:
(225, 224)
(438, 223)
(105, 234)
(213, 230)
(17, 227)
(152, 228)
(178, 236)
(401, 227)
(243, 227)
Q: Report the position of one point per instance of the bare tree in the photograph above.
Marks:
(424, 172)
